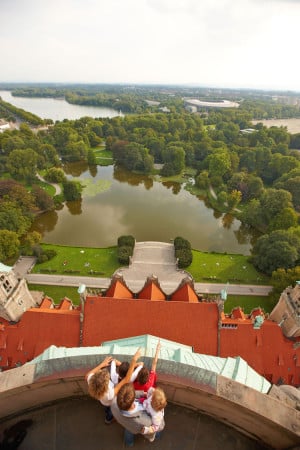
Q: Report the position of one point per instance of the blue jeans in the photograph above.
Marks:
(128, 438)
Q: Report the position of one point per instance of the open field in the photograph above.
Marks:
(80, 261)
(223, 268)
(293, 125)
(103, 262)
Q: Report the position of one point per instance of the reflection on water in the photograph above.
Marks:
(74, 207)
(143, 207)
(93, 170)
(75, 169)
(45, 223)
(124, 176)
(176, 187)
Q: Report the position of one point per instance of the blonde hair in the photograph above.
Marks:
(159, 400)
(98, 383)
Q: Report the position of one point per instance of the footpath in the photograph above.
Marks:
(149, 259)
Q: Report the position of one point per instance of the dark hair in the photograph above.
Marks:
(123, 369)
(143, 376)
(126, 396)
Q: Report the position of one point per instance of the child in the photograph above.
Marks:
(102, 388)
(154, 404)
(118, 370)
(145, 379)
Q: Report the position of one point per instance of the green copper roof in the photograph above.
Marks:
(235, 368)
(4, 268)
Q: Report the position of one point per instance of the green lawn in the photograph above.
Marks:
(57, 293)
(102, 262)
(223, 268)
(103, 157)
(248, 302)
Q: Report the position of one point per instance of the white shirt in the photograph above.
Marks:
(115, 377)
(108, 396)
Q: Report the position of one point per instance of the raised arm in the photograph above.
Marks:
(126, 379)
(103, 364)
(154, 362)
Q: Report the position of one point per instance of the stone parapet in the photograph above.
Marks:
(263, 417)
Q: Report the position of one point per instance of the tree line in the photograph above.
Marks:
(255, 176)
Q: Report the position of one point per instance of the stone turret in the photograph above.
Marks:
(15, 297)
(287, 311)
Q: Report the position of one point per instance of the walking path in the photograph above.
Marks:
(55, 185)
(149, 258)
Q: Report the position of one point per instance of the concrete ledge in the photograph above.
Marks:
(260, 416)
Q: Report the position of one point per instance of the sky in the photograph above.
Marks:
(217, 43)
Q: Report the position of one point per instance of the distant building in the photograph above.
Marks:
(200, 104)
(15, 298)
(287, 312)
(4, 125)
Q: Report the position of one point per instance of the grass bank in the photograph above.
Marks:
(103, 262)
(84, 261)
(248, 302)
(223, 268)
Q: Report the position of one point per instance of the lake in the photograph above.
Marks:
(116, 202)
(56, 109)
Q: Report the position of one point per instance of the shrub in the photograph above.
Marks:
(180, 242)
(124, 254)
(185, 257)
(127, 241)
(183, 252)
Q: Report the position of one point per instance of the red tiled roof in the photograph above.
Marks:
(47, 303)
(36, 331)
(151, 292)
(187, 323)
(118, 290)
(265, 349)
(185, 293)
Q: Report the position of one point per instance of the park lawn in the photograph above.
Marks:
(248, 303)
(57, 293)
(82, 261)
(224, 268)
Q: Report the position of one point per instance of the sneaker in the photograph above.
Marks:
(108, 422)
(152, 438)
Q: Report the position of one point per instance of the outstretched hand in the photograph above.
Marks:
(107, 361)
(137, 354)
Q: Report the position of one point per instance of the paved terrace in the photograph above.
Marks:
(153, 258)
(46, 403)
(149, 258)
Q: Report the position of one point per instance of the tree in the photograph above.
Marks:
(174, 159)
(233, 199)
(13, 219)
(9, 244)
(43, 200)
(55, 175)
(284, 220)
(279, 249)
(72, 190)
(22, 164)
(91, 158)
(219, 163)
(273, 201)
